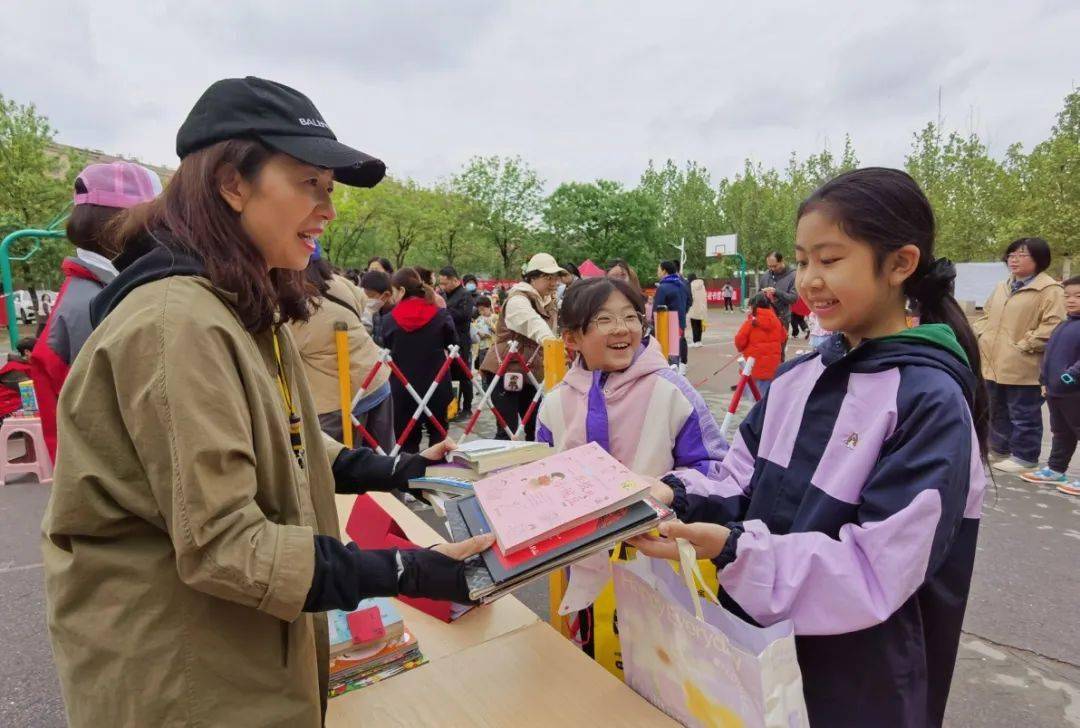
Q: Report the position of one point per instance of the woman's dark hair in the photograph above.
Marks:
(426, 276)
(584, 299)
(410, 281)
(1037, 248)
(886, 209)
(319, 272)
(375, 280)
(87, 225)
(571, 269)
(691, 278)
(192, 217)
(386, 265)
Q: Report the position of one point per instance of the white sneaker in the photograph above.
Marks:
(1013, 466)
(682, 369)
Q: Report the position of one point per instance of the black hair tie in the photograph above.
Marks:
(936, 282)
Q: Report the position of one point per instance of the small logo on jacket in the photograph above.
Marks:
(851, 441)
(313, 122)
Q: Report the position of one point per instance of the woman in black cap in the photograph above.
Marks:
(191, 539)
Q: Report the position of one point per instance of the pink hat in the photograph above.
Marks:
(118, 184)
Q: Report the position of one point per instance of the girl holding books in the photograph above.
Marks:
(621, 394)
(849, 502)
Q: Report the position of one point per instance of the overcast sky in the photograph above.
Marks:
(581, 90)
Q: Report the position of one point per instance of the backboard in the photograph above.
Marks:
(720, 245)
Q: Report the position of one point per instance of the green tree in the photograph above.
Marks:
(452, 235)
(689, 209)
(1050, 202)
(973, 195)
(35, 186)
(602, 220)
(345, 238)
(508, 193)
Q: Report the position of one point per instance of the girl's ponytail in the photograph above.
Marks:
(932, 293)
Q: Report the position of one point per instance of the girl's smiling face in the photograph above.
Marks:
(611, 337)
(838, 278)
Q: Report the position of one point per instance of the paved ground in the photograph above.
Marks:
(1019, 660)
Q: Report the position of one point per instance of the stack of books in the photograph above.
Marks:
(369, 644)
(550, 513)
(473, 460)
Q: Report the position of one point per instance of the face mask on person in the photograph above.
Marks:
(372, 305)
(470, 287)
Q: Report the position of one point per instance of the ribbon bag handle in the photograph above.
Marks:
(691, 574)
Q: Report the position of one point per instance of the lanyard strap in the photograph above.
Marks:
(295, 438)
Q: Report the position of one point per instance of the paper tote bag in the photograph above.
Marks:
(697, 662)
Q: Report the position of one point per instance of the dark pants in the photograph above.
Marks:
(404, 406)
(684, 349)
(696, 326)
(1016, 420)
(727, 305)
(512, 407)
(465, 386)
(379, 421)
(798, 323)
(1065, 428)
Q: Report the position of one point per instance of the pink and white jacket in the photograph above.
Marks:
(648, 417)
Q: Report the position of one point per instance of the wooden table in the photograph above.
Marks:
(498, 665)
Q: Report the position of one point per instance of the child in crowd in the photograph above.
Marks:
(850, 499)
(16, 369)
(761, 336)
(483, 328)
(102, 191)
(620, 393)
(818, 333)
(378, 303)
(417, 333)
(1061, 378)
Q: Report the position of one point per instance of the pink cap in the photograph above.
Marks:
(117, 184)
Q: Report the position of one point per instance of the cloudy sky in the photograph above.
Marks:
(581, 90)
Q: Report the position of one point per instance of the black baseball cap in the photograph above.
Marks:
(280, 117)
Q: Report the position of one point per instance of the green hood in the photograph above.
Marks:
(939, 335)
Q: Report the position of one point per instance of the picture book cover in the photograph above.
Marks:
(503, 566)
(529, 503)
(373, 619)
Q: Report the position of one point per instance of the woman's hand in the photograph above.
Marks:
(708, 540)
(464, 549)
(438, 451)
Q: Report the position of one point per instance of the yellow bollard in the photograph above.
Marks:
(554, 372)
(661, 333)
(341, 340)
(554, 363)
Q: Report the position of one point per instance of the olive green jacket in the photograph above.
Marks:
(178, 541)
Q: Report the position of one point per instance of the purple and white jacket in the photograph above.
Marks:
(647, 417)
(854, 491)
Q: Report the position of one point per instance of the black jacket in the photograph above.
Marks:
(461, 305)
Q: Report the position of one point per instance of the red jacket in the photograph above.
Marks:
(762, 336)
(64, 334)
(11, 399)
(799, 308)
